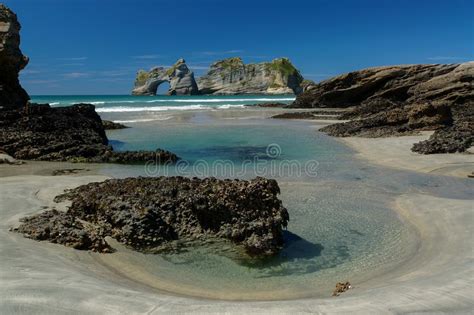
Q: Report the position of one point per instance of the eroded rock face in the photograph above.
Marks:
(73, 133)
(12, 95)
(232, 76)
(157, 214)
(396, 100)
(394, 85)
(180, 78)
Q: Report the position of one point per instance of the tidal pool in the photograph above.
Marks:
(341, 224)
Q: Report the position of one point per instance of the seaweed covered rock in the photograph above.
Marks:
(152, 214)
(73, 133)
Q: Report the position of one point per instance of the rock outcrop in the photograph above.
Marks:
(399, 100)
(73, 133)
(232, 76)
(180, 78)
(12, 95)
(166, 213)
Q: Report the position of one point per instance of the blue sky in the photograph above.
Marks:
(96, 46)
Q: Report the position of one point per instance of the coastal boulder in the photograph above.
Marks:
(156, 214)
(180, 78)
(232, 76)
(12, 95)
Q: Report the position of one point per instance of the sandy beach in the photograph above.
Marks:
(48, 278)
(396, 153)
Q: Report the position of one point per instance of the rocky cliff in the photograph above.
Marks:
(232, 76)
(395, 100)
(12, 95)
(180, 78)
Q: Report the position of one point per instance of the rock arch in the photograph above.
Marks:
(180, 78)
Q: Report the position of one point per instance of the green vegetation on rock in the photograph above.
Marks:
(282, 65)
(171, 70)
(230, 63)
(142, 77)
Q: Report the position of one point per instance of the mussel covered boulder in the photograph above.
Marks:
(154, 214)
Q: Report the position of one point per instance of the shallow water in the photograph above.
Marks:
(341, 225)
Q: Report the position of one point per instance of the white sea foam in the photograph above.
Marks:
(228, 106)
(220, 100)
(115, 109)
(149, 109)
(143, 120)
(54, 103)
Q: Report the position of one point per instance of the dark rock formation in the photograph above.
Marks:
(398, 100)
(110, 125)
(72, 133)
(157, 214)
(232, 76)
(12, 95)
(62, 228)
(313, 114)
(307, 84)
(396, 121)
(179, 76)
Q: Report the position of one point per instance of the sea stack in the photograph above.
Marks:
(180, 78)
(231, 76)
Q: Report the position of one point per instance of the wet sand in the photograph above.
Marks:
(395, 152)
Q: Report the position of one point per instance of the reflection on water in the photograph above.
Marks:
(296, 249)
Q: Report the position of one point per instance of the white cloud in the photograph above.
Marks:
(114, 73)
(440, 58)
(73, 58)
(220, 53)
(39, 81)
(76, 75)
(147, 57)
(28, 71)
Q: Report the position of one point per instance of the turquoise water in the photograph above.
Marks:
(341, 224)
